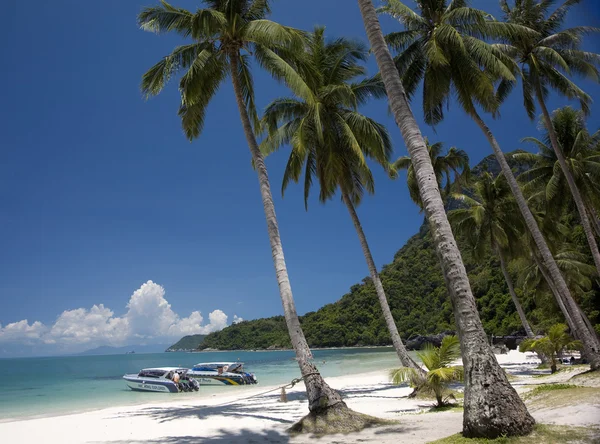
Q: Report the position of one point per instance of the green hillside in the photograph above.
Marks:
(417, 296)
(191, 342)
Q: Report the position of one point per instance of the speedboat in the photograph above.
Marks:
(162, 379)
(219, 373)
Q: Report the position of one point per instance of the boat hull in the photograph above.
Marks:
(223, 379)
(145, 385)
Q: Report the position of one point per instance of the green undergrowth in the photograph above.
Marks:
(568, 395)
(542, 434)
(589, 378)
(547, 388)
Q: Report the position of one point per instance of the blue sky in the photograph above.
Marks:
(100, 192)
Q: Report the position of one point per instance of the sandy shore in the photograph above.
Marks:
(255, 417)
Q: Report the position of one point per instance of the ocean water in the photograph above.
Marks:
(31, 387)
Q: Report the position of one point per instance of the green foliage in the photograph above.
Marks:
(454, 161)
(190, 342)
(542, 434)
(548, 388)
(329, 138)
(552, 344)
(439, 374)
(418, 299)
(223, 37)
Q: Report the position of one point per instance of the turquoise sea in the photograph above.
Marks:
(32, 387)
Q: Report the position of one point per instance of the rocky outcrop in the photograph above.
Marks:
(418, 342)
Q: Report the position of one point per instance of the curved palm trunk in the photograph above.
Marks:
(405, 358)
(513, 294)
(583, 216)
(492, 407)
(320, 395)
(595, 220)
(555, 292)
(578, 326)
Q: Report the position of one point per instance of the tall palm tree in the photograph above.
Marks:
(454, 161)
(331, 139)
(441, 47)
(492, 407)
(490, 220)
(224, 36)
(543, 56)
(582, 153)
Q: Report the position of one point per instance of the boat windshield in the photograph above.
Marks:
(151, 373)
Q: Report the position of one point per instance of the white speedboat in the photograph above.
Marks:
(219, 373)
(162, 379)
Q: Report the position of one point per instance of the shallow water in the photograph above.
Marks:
(58, 385)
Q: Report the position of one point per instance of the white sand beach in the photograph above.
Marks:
(255, 417)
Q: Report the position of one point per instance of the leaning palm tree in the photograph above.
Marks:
(492, 407)
(224, 36)
(543, 56)
(491, 219)
(331, 139)
(441, 47)
(582, 154)
(440, 371)
(454, 161)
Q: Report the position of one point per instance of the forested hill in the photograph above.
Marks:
(191, 342)
(417, 296)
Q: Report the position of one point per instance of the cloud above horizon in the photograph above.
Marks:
(149, 318)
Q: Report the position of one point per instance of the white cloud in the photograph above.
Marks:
(21, 330)
(149, 318)
(237, 319)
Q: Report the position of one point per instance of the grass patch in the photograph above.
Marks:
(542, 398)
(542, 434)
(589, 378)
(548, 388)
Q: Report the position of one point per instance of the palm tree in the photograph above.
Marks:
(331, 139)
(224, 37)
(581, 152)
(492, 406)
(440, 371)
(454, 161)
(543, 56)
(491, 220)
(552, 344)
(441, 47)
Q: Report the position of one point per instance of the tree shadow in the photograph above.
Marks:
(244, 436)
(367, 392)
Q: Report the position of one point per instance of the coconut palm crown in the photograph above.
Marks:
(454, 163)
(443, 44)
(582, 153)
(548, 56)
(330, 139)
(225, 36)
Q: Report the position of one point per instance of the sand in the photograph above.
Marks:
(255, 417)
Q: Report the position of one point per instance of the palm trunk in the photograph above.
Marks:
(405, 358)
(555, 292)
(595, 220)
(320, 395)
(513, 295)
(583, 216)
(492, 407)
(579, 328)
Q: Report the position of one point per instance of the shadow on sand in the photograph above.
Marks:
(243, 436)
